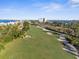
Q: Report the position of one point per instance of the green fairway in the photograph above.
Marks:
(39, 46)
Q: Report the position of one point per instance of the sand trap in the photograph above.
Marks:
(49, 33)
(27, 36)
(45, 29)
(60, 40)
(39, 27)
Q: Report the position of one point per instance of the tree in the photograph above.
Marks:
(25, 26)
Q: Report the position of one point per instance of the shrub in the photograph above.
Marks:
(1, 47)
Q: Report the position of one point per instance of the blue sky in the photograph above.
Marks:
(33, 9)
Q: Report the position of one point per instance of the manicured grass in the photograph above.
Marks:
(40, 46)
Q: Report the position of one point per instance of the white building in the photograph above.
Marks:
(42, 19)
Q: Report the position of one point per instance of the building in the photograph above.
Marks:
(42, 20)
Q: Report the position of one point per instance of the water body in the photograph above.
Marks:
(6, 21)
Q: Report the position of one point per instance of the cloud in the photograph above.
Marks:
(48, 7)
(51, 7)
(7, 10)
(74, 3)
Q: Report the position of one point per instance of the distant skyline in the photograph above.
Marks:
(34, 9)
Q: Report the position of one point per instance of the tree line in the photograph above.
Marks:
(12, 31)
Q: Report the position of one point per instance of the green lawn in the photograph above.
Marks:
(40, 46)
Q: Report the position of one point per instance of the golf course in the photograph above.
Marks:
(39, 46)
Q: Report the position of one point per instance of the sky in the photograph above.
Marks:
(34, 9)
